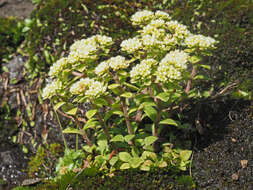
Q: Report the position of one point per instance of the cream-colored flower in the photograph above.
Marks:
(102, 68)
(176, 58)
(118, 62)
(131, 45)
(162, 15)
(200, 41)
(58, 67)
(180, 31)
(80, 86)
(51, 89)
(95, 90)
(104, 40)
(167, 73)
(142, 17)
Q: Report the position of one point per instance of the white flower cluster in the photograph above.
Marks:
(179, 31)
(142, 17)
(86, 48)
(167, 73)
(80, 86)
(200, 41)
(95, 90)
(89, 87)
(103, 40)
(162, 15)
(51, 89)
(118, 62)
(158, 31)
(102, 68)
(58, 67)
(171, 66)
(131, 45)
(176, 58)
(142, 70)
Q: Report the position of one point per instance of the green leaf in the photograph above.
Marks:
(194, 59)
(205, 66)
(113, 160)
(185, 154)
(117, 112)
(71, 130)
(91, 113)
(150, 140)
(129, 137)
(146, 104)
(151, 112)
(163, 96)
(132, 110)
(101, 102)
(113, 86)
(135, 162)
(131, 86)
(117, 138)
(135, 152)
(125, 166)
(127, 95)
(162, 164)
(169, 122)
(72, 111)
(202, 77)
(124, 156)
(91, 123)
(58, 105)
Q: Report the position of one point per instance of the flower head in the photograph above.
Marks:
(162, 15)
(118, 62)
(51, 89)
(131, 45)
(80, 86)
(200, 41)
(142, 17)
(176, 58)
(102, 68)
(57, 67)
(95, 90)
(142, 70)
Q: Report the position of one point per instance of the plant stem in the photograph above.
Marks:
(188, 87)
(84, 134)
(124, 107)
(102, 123)
(59, 122)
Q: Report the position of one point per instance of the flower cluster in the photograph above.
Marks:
(51, 89)
(58, 67)
(176, 58)
(166, 72)
(158, 32)
(179, 31)
(88, 87)
(200, 41)
(86, 48)
(80, 86)
(142, 70)
(162, 15)
(102, 68)
(95, 90)
(142, 17)
(172, 66)
(118, 62)
(131, 45)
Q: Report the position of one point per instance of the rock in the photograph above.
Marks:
(6, 158)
